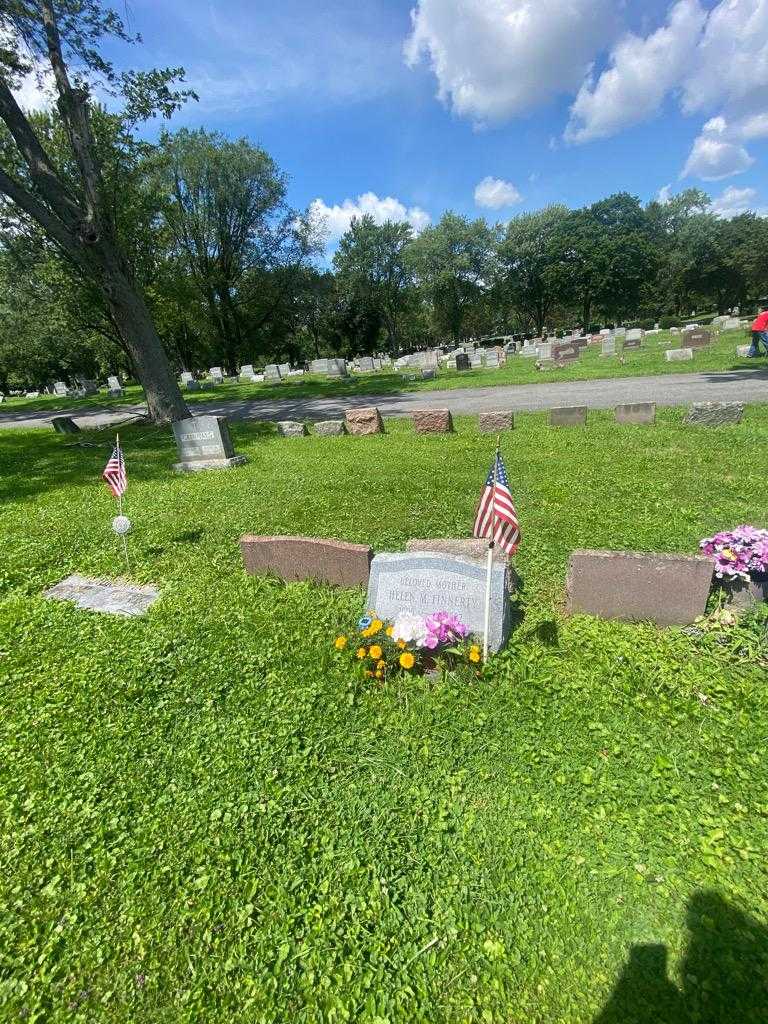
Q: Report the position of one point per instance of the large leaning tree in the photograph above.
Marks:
(59, 41)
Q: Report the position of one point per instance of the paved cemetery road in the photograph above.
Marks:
(672, 389)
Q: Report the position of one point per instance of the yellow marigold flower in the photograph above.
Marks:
(368, 674)
(407, 660)
(375, 626)
(401, 644)
(340, 643)
(379, 675)
(474, 655)
(361, 652)
(389, 630)
(375, 652)
(381, 665)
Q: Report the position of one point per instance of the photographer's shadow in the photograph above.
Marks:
(724, 973)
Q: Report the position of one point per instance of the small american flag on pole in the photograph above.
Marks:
(114, 472)
(496, 516)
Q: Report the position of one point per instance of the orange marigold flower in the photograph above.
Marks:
(375, 652)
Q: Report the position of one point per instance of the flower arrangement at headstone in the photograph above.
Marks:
(409, 645)
(740, 559)
(738, 554)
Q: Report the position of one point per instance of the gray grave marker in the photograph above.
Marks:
(204, 443)
(427, 582)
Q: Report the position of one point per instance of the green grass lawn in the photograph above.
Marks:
(206, 817)
(591, 366)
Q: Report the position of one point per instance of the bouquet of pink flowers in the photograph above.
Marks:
(738, 553)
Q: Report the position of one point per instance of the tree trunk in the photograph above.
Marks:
(133, 321)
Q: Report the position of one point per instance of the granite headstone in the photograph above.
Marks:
(427, 582)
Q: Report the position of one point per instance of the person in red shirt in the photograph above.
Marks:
(759, 331)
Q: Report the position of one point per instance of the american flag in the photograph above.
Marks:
(496, 515)
(114, 473)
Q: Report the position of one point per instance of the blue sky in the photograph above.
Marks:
(418, 101)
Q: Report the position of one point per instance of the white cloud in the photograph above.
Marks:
(735, 201)
(731, 64)
(713, 159)
(337, 218)
(495, 59)
(664, 194)
(494, 193)
(641, 73)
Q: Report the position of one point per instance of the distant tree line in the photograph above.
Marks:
(232, 274)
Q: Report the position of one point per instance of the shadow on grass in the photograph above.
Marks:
(723, 973)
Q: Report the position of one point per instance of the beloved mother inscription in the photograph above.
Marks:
(204, 443)
(428, 582)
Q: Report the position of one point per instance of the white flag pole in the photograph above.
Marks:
(489, 563)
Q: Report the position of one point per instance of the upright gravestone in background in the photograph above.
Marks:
(426, 582)
(462, 361)
(565, 352)
(337, 368)
(700, 338)
(204, 443)
(272, 372)
(609, 347)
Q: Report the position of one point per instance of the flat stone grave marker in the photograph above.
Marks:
(696, 339)
(678, 355)
(364, 421)
(422, 583)
(64, 425)
(113, 597)
(669, 590)
(495, 422)
(291, 428)
(636, 412)
(574, 416)
(330, 428)
(204, 442)
(307, 558)
(714, 414)
(432, 421)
